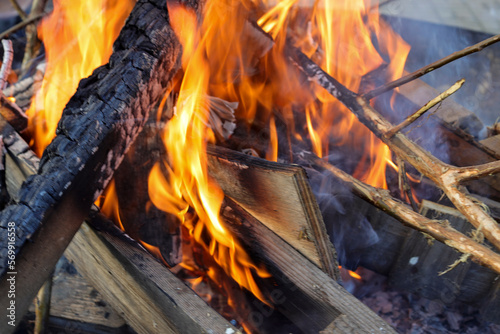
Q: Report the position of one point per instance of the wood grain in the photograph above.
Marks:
(280, 197)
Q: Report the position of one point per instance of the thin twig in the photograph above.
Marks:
(18, 9)
(8, 56)
(426, 69)
(21, 25)
(32, 41)
(441, 232)
(438, 99)
(42, 307)
(404, 184)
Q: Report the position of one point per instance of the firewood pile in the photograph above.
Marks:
(289, 211)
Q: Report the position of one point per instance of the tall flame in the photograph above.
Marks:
(78, 37)
(187, 189)
(338, 36)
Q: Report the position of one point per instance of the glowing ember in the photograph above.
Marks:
(78, 37)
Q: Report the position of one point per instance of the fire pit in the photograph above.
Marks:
(247, 234)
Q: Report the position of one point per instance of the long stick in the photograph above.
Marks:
(18, 9)
(431, 67)
(21, 25)
(32, 41)
(438, 230)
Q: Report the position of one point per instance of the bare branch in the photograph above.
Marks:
(438, 99)
(476, 172)
(439, 231)
(21, 25)
(18, 9)
(32, 41)
(431, 67)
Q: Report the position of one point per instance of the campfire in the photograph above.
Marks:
(256, 149)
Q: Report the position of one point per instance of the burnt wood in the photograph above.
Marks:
(98, 125)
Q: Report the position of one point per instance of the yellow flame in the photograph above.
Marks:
(187, 186)
(108, 203)
(78, 37)
(338, 36)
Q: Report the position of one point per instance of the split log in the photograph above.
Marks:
(98, 125)
(20, 161)
(73, 298)
(311, 299)
(421, 261)
(493, 143)
(144, 291)
(280, 197)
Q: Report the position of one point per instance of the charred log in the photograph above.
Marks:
(98, 125)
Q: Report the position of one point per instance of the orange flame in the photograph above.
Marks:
(78, 37)
(338, 36)
(108, 203)
(187, 186)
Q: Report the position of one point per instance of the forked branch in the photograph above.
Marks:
(428, 165)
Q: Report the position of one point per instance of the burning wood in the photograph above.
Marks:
(102, 105)
(112, 106)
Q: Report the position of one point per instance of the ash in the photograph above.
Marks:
(409, 313)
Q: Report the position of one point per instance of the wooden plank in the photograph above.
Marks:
(73, 298)
(142, 290)
(98, 125)
(490, 309)
(278, 195)
(381, 256)
(316, 297)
